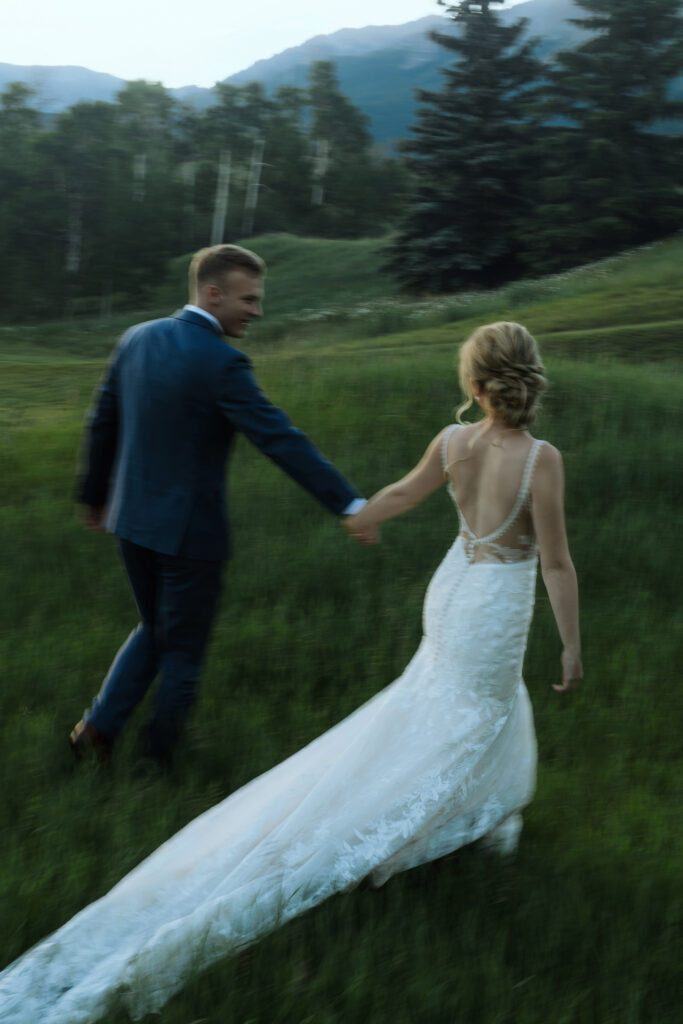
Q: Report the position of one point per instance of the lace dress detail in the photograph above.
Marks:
(444, 756)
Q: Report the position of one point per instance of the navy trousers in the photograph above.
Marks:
(176, 599)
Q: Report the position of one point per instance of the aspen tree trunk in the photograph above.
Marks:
(321, 162)
(74, 244)
(188, 176)
(139, 176)
(252, 188)
(220, 207)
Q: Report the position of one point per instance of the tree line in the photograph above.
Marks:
(94, 201)
(524, 167)
(515, 166)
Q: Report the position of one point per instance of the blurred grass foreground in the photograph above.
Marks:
(583, 926)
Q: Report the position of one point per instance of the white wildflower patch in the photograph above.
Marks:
(401, 312)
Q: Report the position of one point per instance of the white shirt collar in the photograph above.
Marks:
(203, 312)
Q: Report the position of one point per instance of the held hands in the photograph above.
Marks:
(358, 530)
(572, 672)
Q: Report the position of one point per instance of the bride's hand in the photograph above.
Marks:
(572, 672)
(370, 535)
(363, 534)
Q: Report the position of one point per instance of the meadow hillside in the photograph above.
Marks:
(583, 926)
(320, 292)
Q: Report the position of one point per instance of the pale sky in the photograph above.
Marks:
(178, 42)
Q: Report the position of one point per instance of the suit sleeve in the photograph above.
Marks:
(101, 438)
(269, 429)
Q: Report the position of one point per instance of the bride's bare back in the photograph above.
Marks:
(489, 474)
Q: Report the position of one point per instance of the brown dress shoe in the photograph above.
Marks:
(85, 740)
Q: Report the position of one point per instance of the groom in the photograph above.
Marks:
(159, 438)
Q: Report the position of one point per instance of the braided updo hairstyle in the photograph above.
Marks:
(503, 359)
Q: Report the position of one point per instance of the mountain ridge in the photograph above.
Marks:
(380, 67)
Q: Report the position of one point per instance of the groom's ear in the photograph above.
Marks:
(210, 292)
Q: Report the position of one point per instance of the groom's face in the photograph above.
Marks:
(238, 300)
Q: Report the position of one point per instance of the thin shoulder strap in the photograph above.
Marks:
(444, 446)
(528, 471)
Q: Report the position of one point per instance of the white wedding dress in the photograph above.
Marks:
(444, 756)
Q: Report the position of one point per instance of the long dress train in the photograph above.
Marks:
(442, 757)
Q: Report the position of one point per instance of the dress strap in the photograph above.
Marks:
(444, 446)
(528, 471)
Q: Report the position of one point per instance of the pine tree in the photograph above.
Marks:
(352, 190)
(287, 175)
(150, 216)
(613, 174)
(471, 157)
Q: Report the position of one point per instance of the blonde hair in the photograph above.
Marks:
(211, 264)
(503, 359)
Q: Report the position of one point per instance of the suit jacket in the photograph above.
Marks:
(161, 432)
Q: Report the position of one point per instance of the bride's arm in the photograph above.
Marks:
(557, 568)
(405, 494)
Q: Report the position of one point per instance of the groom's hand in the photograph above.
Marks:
(367, 536)
(93, 516)
(364, 535)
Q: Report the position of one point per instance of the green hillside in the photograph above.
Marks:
(317, 286)
(321, 292)
(582, 926)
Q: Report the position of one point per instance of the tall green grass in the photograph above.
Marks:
(583, 927)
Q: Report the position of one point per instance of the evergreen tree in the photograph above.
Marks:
(23, 192)
(353, 189)
(99, 196)
(612, 174)
(471, 157)
(88, 168)
(150, 214)
(286, 194)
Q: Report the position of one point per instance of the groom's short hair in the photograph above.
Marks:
(211, 264)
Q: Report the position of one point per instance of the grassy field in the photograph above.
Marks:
(584, 926)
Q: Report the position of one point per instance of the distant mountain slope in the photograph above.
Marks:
(410, 39)
(57, 88)
(379, 67)
(547, 18)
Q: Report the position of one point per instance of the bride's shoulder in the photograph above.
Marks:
(449, 441)
(451, 433)
(457, 429)
(461, 433)
(547, 452)
(548, 465)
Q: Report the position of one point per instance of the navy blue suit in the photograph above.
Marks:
(159, 439)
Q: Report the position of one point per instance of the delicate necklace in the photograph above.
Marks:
(495, 442)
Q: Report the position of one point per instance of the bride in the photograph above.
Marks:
(444, 756)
